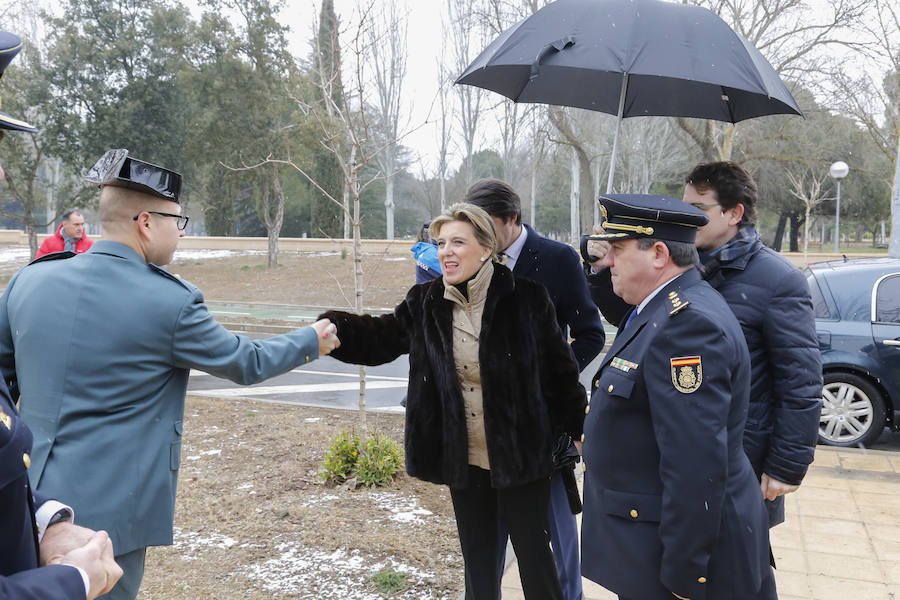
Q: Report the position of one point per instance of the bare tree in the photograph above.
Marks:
(445, 123)
(791, 36)
(467, 39)
(808, 188)
(343, 122)
(872, 103)
(387, 55)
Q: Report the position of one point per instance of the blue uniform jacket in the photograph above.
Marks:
(671, 503)
(557, 267)
(20, 577)
(100, 346)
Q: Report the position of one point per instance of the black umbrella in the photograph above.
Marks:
(632, 58)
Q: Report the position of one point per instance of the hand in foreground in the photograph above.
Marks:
(598, 248)
(96, 558)
(328, 339)
(772, 488)
(62, 538)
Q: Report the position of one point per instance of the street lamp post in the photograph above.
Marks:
(838, 170)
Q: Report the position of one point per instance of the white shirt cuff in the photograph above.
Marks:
(43, 515)
(86, 580)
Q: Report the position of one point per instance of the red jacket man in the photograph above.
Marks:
(72, 227)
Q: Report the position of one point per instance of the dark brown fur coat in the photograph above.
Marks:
(529, 379)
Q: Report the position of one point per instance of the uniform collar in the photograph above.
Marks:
(116, 249)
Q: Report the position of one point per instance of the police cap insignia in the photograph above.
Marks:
(687, 373)
(648, 215)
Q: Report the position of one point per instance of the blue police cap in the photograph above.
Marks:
(10, 44)
(627, 216)
(118, 169)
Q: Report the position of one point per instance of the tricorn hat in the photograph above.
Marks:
(10, 44)
(118, 169)
(627, 216)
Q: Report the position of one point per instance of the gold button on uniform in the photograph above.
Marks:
(610, 388)
(634, 514)
(27, 460)
(582, 438)
(587, 409)
(307, 359)
(701, 580)
(596, 384)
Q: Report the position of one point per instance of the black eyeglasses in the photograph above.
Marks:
(182, 220)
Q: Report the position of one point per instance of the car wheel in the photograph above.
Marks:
(852, 411)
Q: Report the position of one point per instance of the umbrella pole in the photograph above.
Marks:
(612, 159)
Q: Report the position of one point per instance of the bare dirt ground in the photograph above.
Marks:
(308, 279)
(253, 519)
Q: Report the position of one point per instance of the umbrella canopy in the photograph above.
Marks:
(632, 58)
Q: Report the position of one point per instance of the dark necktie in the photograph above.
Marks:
(502, 257)
(630, 318)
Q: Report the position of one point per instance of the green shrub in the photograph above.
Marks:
(341, 458)
(379, 461)
(389, 583)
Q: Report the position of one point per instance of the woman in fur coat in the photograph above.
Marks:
(492, 386)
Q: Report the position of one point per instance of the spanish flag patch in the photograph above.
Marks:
(687, 373)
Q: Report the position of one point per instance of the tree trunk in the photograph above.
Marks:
(806, 237)
(533, 219)
(31, 231)
(574, 222)
(358, 287)
(894, 248)
(273, 214)
(779, 231)
(389, 205)
(795, 232)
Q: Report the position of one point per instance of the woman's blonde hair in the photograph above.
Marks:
(468, 213)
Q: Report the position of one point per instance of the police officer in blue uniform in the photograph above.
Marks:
(27, 517)
(672, 507)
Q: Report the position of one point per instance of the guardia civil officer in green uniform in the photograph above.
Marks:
(672, 507)
(99, 346)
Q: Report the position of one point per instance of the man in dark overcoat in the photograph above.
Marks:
(671, 504)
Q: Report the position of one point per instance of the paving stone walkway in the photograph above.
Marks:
(841, 539)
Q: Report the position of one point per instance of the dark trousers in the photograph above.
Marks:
(478, 509)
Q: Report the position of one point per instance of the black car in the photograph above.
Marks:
(857, 304)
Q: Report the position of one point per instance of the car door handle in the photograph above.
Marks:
(891, 342)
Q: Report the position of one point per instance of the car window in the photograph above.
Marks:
(818, 298)
(887, 300)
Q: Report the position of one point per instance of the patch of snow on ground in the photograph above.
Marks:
(189, 543)
(403, 510)
(14, 254)
(312, 420)
(320, 500)
(307, 573)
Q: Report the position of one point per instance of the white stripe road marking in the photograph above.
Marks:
(196, 373)
(265, 390)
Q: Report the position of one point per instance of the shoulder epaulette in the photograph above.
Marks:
(677, 303)
(54, 256)
(168, 275)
